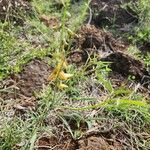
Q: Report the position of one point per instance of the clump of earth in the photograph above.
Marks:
(103, 137)
(93, 41)
(33, 77)
(112, 12)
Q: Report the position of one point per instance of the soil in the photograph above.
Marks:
(145, 48)
(48, 143)
(90, 41)
(111, 12)
(91, 37)
(102, 136)
(98, 143)
(112, 139)
(90, 143)
(14, 10)
(50, 21)
(126, 65)
(78, 57)
(93, 41)
(32, 79)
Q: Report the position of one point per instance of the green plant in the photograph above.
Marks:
(142, 29)
(74, 107)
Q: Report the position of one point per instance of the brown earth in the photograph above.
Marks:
(90, 41)
(50, 21)
(48, 143)
(98, 143)
(113, 139)
(111, 12)
(90, 143)
(32, 79)
(145, 48)
(126, 65)
(93, 41)
(114, 14)
(91, 37)
(101, 136)
(14, 10)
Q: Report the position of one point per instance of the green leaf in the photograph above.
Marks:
(106, 83)
(32, 141)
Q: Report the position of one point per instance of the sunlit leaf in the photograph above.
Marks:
(62, 86)
(32, 141)
(64, 76)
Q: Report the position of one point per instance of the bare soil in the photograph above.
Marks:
(111, 12)
(98, 143)
(89, 143)
(102, 136)
(112, 139)
(32, 79)
(62, 143)
(91, 37)
(126, 65)
(49, 21)
(93, 41)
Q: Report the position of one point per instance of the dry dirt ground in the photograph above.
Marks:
(91, 41)
(33, 76)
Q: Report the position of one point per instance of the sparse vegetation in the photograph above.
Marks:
(75, 75)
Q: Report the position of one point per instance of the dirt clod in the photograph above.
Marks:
(126, 65)
(47, 143)
(78, 57)
(145, 48)
(91, 40)
(98, 143)
(49, 21)
(32, 78)
(91, 37)
(111, 12)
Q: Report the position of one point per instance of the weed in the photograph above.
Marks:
(142, 30)
(84, 101)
